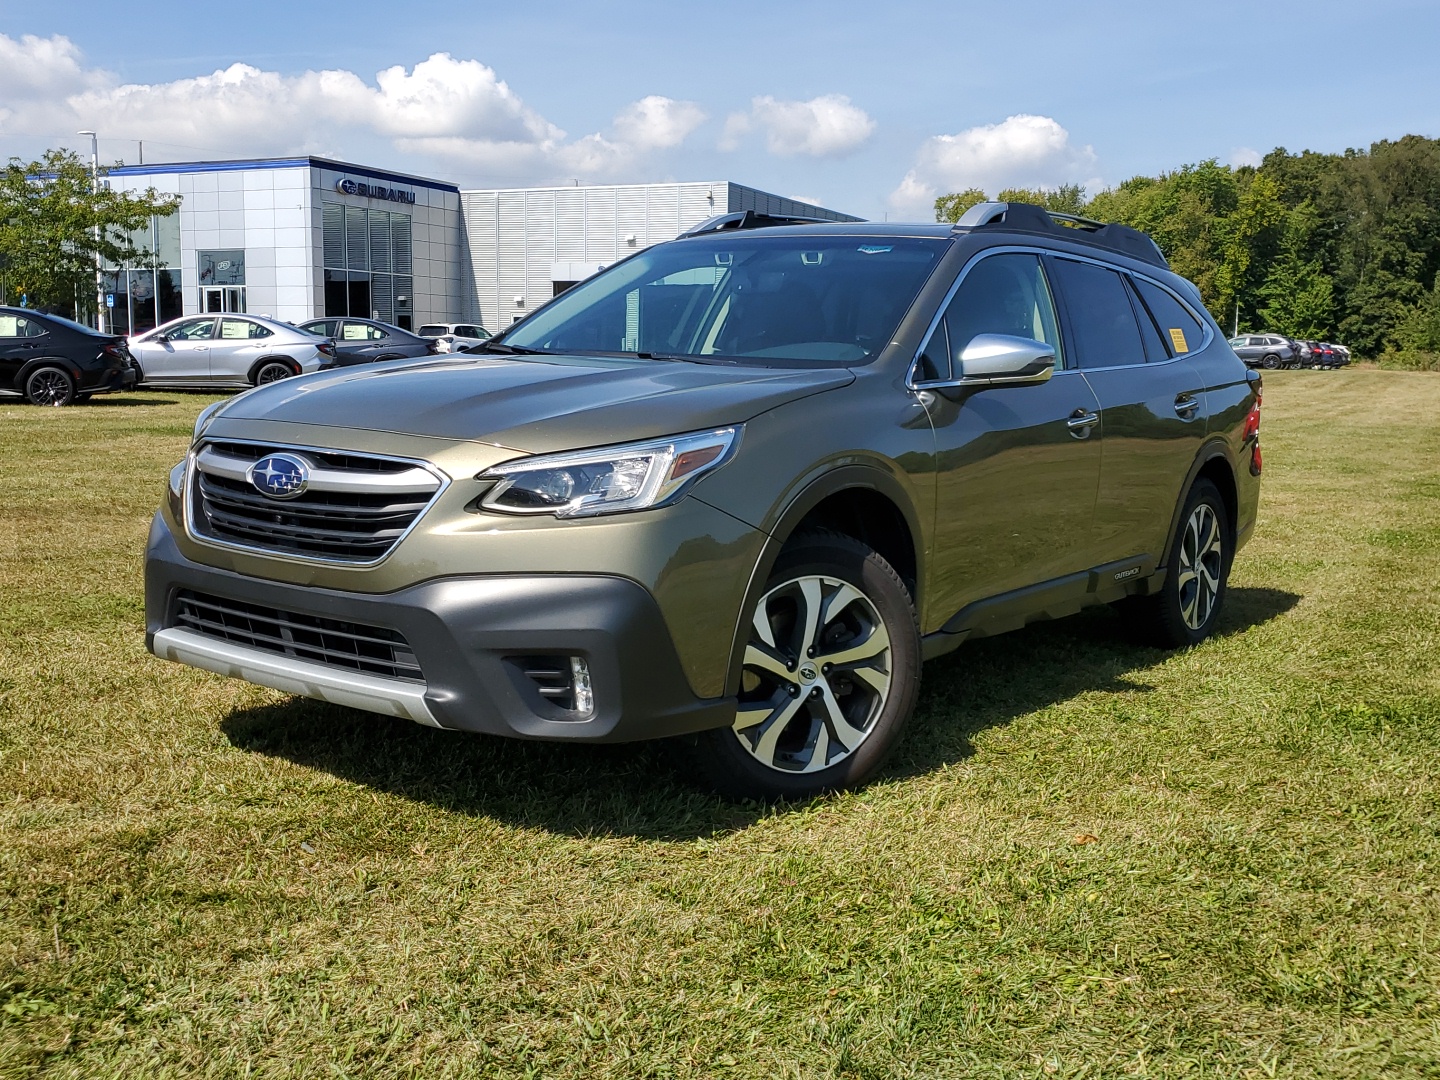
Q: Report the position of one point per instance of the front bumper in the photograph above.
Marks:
(469, 635)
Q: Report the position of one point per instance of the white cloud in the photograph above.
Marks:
(453, 111)
(826, 126)
(1021, 151)
(657, 122)
(1243, 155)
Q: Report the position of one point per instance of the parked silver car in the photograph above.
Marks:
(227, 350)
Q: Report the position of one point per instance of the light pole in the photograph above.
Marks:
(99, 274)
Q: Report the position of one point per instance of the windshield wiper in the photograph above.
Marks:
(508, 350)
(685, 358)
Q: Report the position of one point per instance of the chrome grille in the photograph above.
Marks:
(355, 509)
(373, 650)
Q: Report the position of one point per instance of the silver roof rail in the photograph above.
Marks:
(982, 214)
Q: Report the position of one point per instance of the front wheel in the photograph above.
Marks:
(1184, 611)
(829, 677)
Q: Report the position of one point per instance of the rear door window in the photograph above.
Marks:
(1182, 331)
(1103, 327)
(241, 329)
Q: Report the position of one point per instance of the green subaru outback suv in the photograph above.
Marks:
(736, 488)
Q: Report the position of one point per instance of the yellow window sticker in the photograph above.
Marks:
(1177, 338)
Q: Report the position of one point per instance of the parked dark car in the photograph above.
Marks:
(52, 360)
(1323, 355)
(1264, 350)
(363, 341)
(1304, 354)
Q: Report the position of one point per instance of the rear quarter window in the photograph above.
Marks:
(1182, 331)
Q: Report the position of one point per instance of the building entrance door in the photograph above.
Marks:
(230, 299)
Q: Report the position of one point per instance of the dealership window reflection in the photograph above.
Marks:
(149, 292)
(368, 264)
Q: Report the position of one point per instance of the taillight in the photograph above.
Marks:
(1252, 431)
(327, 348)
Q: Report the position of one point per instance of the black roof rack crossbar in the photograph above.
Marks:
(1031, 218)
(747, 219)
(1088, 224)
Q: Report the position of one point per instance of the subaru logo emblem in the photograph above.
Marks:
(280, 476)
(808, 673)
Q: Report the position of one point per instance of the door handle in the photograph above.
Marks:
(1080, 422)
(1186, 405)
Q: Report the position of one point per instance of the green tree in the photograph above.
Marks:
(49, 213)
(1298, 297)
(1251, 240)
(1066, 199)
(950, 207)
(1420, 327)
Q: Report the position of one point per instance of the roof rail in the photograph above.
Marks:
(1030, 218)
(747, 219)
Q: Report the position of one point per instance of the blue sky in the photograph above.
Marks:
(870, 108)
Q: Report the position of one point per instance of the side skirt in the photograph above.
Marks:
(1054, 599)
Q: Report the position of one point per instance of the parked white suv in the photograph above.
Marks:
(454, 337)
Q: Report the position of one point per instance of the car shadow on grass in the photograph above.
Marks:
(642, 789)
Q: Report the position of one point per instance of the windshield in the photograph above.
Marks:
(798, 299)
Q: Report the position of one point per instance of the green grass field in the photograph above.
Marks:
(1087, 859)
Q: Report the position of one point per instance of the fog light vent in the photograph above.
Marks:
(562, 681)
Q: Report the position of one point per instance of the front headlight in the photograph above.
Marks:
(637, 476)
(203, 420)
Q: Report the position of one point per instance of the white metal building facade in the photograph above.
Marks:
(524, 245)
(296, 238)
(301, 238)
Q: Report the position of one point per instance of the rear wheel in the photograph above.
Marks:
(830, 675)
(273, 371)
(1184, 611)
(49, 386)
(1270, 360)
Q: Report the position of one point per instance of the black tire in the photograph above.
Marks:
(272, 371)
(1270, 361)
(49, 385)
(1184, 611)
(793, 703)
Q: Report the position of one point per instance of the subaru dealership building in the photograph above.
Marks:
(301, 238)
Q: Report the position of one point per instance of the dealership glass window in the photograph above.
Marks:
(368, 263)
(222, 279)
(149, 293)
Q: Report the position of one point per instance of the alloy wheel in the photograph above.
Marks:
(1200, 565)
(816, 674)
(273, 373)
(49, 387)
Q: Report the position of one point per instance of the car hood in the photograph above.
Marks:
(533, 404)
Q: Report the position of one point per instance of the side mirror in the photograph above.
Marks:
(1002, 360)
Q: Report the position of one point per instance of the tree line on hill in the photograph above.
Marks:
(1336, 247)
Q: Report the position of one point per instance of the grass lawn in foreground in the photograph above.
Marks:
(1087, 858)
